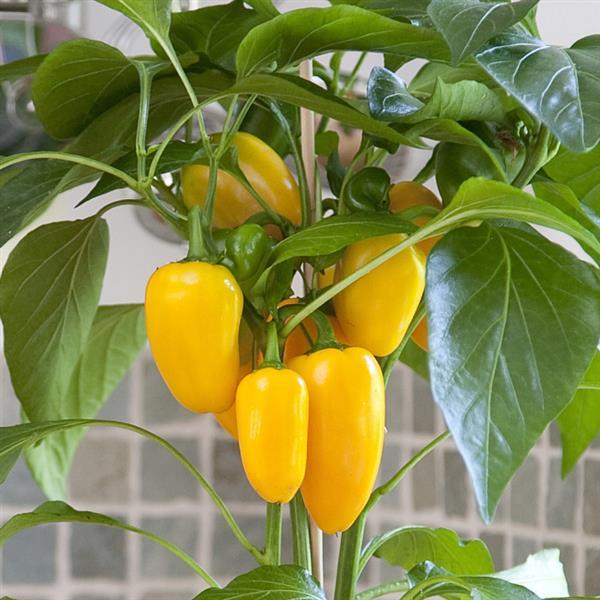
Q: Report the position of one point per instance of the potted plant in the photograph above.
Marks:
(464, 289)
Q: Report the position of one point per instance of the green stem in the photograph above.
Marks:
(196, 250)
(74, 158)
(354, 73)
(272, 356)
(167, 193)
(300, 532)
(155, 203)
(273, 534)
(142, 124)
(536, 158)
(348, 560)
(208, 488)
(383, 590)
(117, 203)
(209, 205)
(390, 360)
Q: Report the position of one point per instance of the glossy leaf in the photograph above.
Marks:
(390, 100)
(427, 77)
(78, 81)
(513, 321)
(409, 546)
(264, 7)
(299, 92)
(18, 69)
(414, 11)
(542, 573)
(543, 77)
(215, 31)
(286, 582)
(579, 423)
(49, 292)
(153, 16)
(581, 172)
(300, 34)
(468, 24)
(116, 338)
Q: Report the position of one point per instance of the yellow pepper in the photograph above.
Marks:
(272, 419)
(264, 169)
(345, 433)
(406, 194)
(193, 313)
(376, 310)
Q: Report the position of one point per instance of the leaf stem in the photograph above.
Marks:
(348, 560)
(383, 590)
(535, 160)
(196, 250)
(300, 532)
(142, 124)
(117, 203)
(273, 534)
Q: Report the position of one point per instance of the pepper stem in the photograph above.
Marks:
(272, 357)
(196, 250)
(325, 334)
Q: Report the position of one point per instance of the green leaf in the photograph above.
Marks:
(565, 200)
(413, 11)
(21, 68)
(335, 233)
(409, 546)
(264, 7)
(77, 82)
(116, 338)
(153, 16)
(513, 321)
(176, 155)
(542, 573)
(109, 137)
(579, 423)
(414, 357)
(299, 92)
(390, 100)
(49, 292)
(543, 77)
(216, 31)
(468, 24)
(426, 79)
(581, 172)
(289, 38)
(287, 582)
(480, 198)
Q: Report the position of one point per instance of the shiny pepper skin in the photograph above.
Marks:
(376, 310)
(193, 313)
(272, 420)
(345, 434)
(266, 172)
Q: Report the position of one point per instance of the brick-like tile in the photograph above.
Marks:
(591, 497)
(98, 552)
(30, 557)
(525, 492)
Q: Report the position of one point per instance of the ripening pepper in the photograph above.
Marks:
(266, 172)
(345, 433)
(403, 195)
(375, 311)
(368, 190)
(272, 420)
(247, 249)
(193, 313)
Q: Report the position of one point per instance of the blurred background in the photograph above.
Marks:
(121, 475)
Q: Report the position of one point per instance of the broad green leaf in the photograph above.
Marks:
(264, 7)
(294, 36)
(390, 100)
(579, 423)
(299, 92)
(77, 82)
(287, 582)
(21, 68)
(513, 322)
(581, 172)
(414, 357)
(116, 338)
(49, 292)
(110, 136)
(542, 573)
(564, 199)
(543, 77)
(215, 31)
(426, 79)
(468, 24)
(413, 11)
(409, 546)
(176, 155)
(480, 198)
(153, 16)
(335, 233)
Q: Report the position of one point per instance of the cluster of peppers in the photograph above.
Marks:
(315, 421)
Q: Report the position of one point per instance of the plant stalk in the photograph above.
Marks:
(348, 559)
(196, 250)
(383, 590)
(300, 532)
(273, 534)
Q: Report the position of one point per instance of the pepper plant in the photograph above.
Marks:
(509, 320)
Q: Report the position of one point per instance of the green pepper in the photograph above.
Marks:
(247, 249)
(368, 190)
(455, 163)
